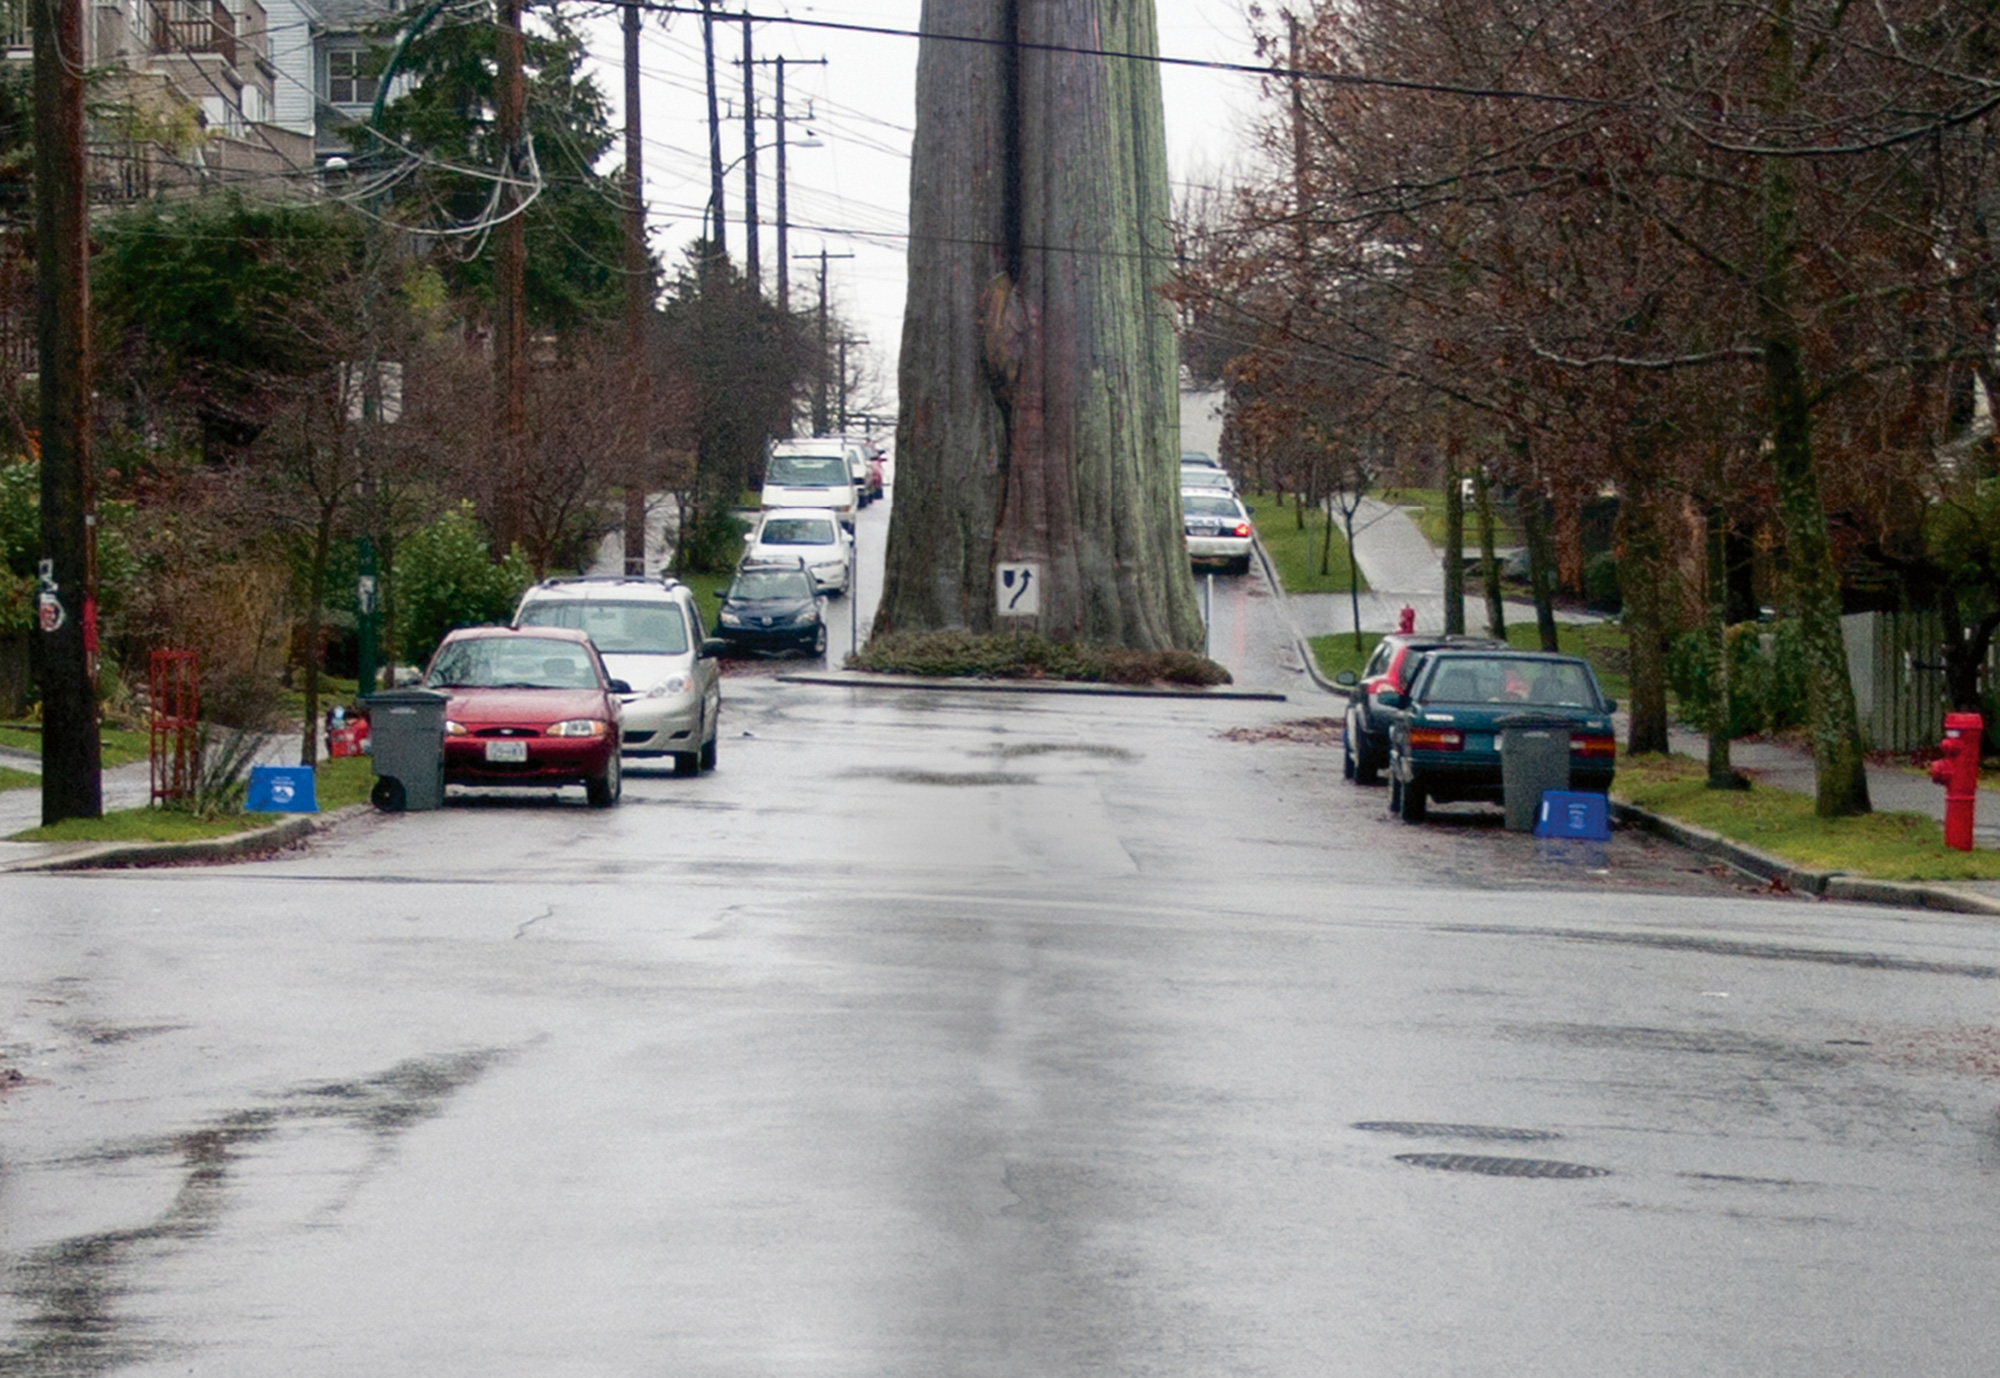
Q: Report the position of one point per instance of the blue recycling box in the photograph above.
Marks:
(281, 789)
(1573, 816)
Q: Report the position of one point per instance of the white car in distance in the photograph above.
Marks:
(811, 473)
(812, 534)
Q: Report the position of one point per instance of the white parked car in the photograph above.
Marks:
(1218, 529)
(1206, 477)
(649, 634)
(811, 534)
(813, 473)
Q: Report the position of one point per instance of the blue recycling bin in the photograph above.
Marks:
(281, 789)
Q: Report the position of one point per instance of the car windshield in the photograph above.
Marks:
(1197, 505)
(616, 628)
(508, 662)
(806, 471)
(796, 531)
(1545, 683)
(771, 584)
(1203, 478)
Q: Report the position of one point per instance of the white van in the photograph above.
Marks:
(811, 473)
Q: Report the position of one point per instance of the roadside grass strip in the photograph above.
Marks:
(1295, 553)
(1883, 846)
(17, 779)
(337, 784)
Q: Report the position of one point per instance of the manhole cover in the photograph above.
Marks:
(1500, 1167)
(1415, 1129)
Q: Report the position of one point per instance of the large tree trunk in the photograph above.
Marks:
(1834, 724)
(1039, 387)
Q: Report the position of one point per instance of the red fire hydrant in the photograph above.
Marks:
(1407, 621)
(1957, 769)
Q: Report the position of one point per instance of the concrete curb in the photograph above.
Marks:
(866, 679)
(1826, 885)
(109, 856)
(1299, 641)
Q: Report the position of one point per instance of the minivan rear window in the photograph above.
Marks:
(615, 628)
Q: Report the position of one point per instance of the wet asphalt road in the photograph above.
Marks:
(953, 1034)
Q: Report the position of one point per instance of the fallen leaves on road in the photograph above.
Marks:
(1308, 731)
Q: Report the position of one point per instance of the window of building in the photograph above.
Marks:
(352, 76)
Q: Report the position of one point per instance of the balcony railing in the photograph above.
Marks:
(14, 24)
(185, 26)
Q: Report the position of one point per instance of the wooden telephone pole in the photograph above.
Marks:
(638, 310)
(510, 346)
(66, 608)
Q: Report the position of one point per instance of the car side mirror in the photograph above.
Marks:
(1249, 511)
(1390, 698)
(1611, 705)
(618, 686)
(712, 647)
(1347, 679)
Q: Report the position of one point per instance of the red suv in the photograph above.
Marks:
(1365, 739)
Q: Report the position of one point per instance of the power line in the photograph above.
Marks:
(1272, 70)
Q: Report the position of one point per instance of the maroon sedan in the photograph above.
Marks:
(532, 706)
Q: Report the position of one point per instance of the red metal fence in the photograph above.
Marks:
(176, 709)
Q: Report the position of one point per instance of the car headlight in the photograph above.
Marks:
(580, 727)
(804, 617)
(668, 687)
(730, 619)
(455, 729)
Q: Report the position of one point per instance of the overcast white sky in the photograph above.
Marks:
(850, 195)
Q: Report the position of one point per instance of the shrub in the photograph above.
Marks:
(446, 577)
(1600, 583)
(1766, 677)
(1029, 656)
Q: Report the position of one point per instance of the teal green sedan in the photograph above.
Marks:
(1444, 733)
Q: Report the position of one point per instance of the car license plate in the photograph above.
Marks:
(517, 752)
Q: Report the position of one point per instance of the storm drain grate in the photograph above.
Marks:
(1500, 1167)
(1414, 1129)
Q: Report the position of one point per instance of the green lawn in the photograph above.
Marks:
(1886, 846)
(1296, 553)
(17, 779)
(1601, 643)
(118, 745)
(337, 784)
(1427, 506)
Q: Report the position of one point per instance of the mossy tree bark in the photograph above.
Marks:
(1039, 385)
(1840, 765)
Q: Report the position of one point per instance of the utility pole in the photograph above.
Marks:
(718, 234)
(66, 605)
(510, 287)
(638, 309)
(820, 417)
(784, 214)
(751, 267)
(845, 341)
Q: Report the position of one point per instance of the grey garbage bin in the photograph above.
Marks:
(406, 740)
(1534, 757)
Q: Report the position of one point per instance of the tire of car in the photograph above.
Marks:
(1416, 802)
(1347, 751)
(605, 790)
(1240, 565)
(707, 761)
(1367, 770)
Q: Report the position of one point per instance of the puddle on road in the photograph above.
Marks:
(947, 778)
(1008, 751)
(71, 1290)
